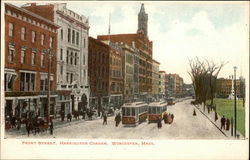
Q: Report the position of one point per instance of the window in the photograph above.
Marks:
(84, 73)
(61, 54)
(33, 58)
(27, 81)
(61, 71)
(42, 39)
(67, 77)
(44, 82)
(42, 59)
(61, 34)
(51, 41)
(11, 54)
(71, 77)
(8, 81)
(76, 58)
(84, 60)
(77, 38)
(69, 34)
(11, 29)
(84, 43)
(73, 36)
(23, 33)
(23, 56)
(71, 58)
(67, 58)
(33, 37)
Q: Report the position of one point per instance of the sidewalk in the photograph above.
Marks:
(57, 124)
(217, 123)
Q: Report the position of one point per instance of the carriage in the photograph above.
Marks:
(156, 111)
(171, 101)
(134, 113)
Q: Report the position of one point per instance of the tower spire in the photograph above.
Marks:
(109, 29)
(142, 21)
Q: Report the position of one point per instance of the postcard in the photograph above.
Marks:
(124, 80)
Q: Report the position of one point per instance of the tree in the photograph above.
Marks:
(204, 75)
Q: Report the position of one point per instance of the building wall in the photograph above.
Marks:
(99, 70)
(224, 87)
(155, 77)
(162, 89)
(72, 66)
(22, 18)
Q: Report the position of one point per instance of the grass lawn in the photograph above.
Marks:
(226, 107)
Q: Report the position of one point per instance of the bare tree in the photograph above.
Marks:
(204, 75)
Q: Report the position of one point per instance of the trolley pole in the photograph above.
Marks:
(235, 94)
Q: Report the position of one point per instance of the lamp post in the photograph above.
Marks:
(50, 53)
(235, 94)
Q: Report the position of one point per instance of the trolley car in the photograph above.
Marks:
(134, 113)
(156, 111)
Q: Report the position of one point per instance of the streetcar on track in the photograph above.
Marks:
(134, 113)
(171, 101)
(156, 111)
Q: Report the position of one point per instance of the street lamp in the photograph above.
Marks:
(235, 94)
(50, 53)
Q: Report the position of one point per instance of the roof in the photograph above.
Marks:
(32, 14)
(158, 104)
(135, 104)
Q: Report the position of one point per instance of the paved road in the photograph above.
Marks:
(185, 126)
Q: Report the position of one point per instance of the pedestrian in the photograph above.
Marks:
(18, 123)
(223, 120)
(215, 116)
(51, 126)
(62, 115)
(227, 124)
(172, 117)
(28, 127)
(117, 119)
(194, 113)
(83, 114)
(159, 125)
(104, 119)
(69, 117)
(165, 116)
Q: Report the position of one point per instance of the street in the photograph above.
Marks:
(184, 126)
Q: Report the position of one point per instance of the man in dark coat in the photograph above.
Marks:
(165, 116)
(104, 119)
(227, 124)
(62, 115)
(28, 125)
(117, 119)
(223, 120)
(159, 125)
(51, 127)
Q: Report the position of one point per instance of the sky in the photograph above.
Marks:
(216, 31)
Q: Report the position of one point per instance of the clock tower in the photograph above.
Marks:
(142, 21)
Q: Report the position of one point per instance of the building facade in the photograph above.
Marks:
(162, 84)
(72, 61)
(99, 73)
(144, 46)
(174, 86)
(224, 87)
(30, 64)
(155, 79)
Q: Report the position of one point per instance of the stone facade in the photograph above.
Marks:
(155, 79)
(72, 60)
(162, 84)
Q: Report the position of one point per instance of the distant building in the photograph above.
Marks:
(162, 84)
(224, 87)
(155, 79)
(174, 84)
(29, 41)
(144, 46)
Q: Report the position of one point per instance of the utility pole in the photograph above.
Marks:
(235, 94)
(50, 54)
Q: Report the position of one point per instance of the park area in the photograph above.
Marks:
(226, 107)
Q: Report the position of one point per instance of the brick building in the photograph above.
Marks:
(29, 41)
(224, 87)
(144, 46)
(72, 61)
(99, 72)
